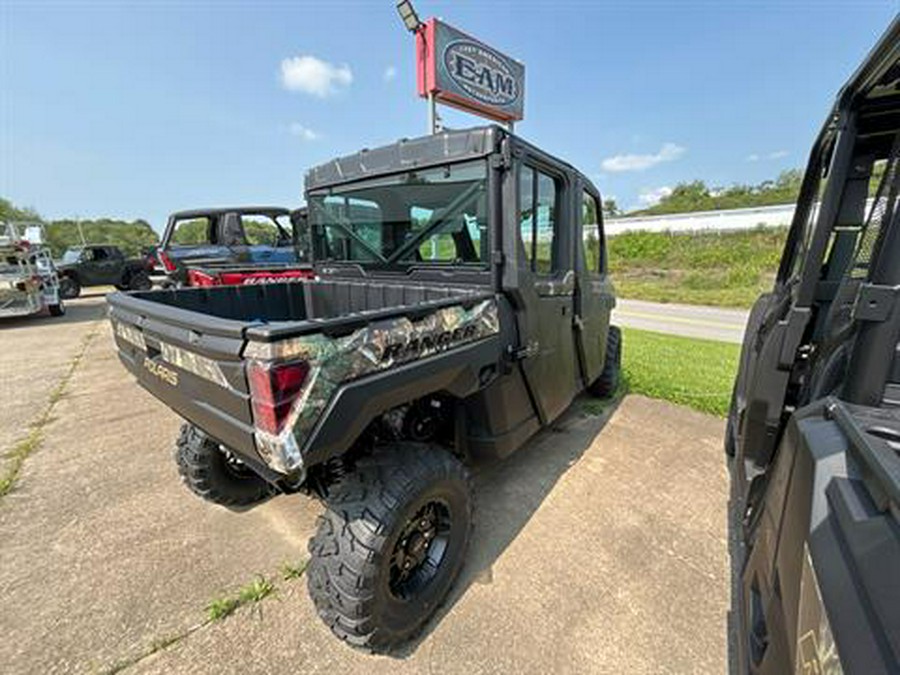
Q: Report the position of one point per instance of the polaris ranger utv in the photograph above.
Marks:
(814, 428)
(235, 245)
(460, 303)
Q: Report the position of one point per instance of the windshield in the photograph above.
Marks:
(71, 255)
(430, 216)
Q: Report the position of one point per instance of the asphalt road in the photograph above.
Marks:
(711, 323)
(597, 548)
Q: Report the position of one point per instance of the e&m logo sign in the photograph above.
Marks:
(461, 71)
(481, 73)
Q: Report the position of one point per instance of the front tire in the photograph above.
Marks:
(57, 309)
(69, 288)
(211, 474)
(608, 382)
(390, 544)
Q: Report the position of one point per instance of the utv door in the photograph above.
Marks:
(594, 297)
(547, 285)
(780, 319)
(97, 267)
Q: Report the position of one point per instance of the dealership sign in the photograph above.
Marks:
(463, 72)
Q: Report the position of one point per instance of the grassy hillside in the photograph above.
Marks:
(710, 268)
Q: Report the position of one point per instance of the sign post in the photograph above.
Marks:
(455, 69)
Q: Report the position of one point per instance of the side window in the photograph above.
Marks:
(100, 254)
(590, 233)
(191, 232)
(545, 258)
(538, 215)
(526, 213)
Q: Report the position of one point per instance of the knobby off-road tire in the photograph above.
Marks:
(209, 473)
(606, 385)
(376, 575)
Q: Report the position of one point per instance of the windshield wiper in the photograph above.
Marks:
(453, 209)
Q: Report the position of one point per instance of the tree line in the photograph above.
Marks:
(130, 236)
(696, 195)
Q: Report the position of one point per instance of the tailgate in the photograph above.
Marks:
(191, 362)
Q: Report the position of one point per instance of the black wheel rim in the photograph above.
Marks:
(420, 550)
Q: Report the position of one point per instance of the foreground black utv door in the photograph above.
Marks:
(815, 421)
(780, 319)
(546, 284)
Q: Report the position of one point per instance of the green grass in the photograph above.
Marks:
(225, 606)
(291, 571)
(728, 269)
(696, 373)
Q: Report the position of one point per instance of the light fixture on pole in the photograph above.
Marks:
(408, 13)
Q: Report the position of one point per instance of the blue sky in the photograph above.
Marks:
(138, 109)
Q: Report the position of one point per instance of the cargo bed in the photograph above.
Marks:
(188, 346)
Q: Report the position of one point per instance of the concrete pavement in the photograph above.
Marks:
(711, 323)
(600, 547)
(36, 353)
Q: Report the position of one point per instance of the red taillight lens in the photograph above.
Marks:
(273, 390)
(198, 278)
(166, 261)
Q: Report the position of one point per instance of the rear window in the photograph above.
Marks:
(190, 232)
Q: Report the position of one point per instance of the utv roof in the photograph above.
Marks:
(412, 153)
(219, 210)
(878, 77)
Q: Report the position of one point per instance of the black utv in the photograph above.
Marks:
(460, 304)
(814, 428)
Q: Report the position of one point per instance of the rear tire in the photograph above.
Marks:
(608, 382)
(69, 288)
(140, 281)
(214, 476)
(390, 544)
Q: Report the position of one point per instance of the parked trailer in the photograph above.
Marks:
(28, 278)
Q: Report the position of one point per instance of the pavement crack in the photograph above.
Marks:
(218, 611)
(22, 449)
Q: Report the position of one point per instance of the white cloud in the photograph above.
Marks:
(390, 73)
(652, 196)
(619, 163)
(304, 133)
(778, 154)
(314, 76)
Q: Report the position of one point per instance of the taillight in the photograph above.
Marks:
(198, 278)
(167, 263)
(273, 389)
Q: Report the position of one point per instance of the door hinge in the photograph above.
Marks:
(874, 302)
(526, 352)
(503, 159)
